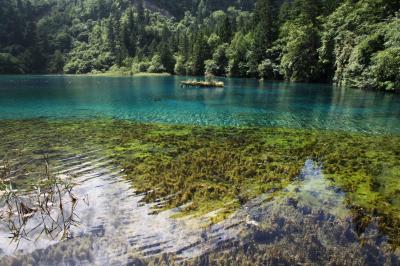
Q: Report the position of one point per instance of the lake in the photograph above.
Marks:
(138, 170)
(241, 103)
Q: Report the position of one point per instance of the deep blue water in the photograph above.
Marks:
(161, 99)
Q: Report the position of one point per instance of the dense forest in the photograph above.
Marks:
(353, 43)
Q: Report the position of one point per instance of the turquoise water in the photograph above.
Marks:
(161, 99)
(94, 216)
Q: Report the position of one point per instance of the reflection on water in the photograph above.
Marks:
(81, 210)
(241, 102)
(43, 216)
(308, 223)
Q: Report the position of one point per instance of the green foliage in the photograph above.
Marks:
(85, 59)
(385, 68)
(225, 30)
(268, 69)
(9, 64)
(239, 55)
(139, 66)
(156, 65)
(351, 43)
(353, 39)
(56, 63)
(219, 62)
(167, 58)
(180, 67)
(266, 28)
(200, 53)
(299, 56)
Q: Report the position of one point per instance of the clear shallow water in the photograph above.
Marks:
(161, 99)
(111, 225)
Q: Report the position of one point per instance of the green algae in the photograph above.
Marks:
(205, 169)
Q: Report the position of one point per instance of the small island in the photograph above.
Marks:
(202, 84)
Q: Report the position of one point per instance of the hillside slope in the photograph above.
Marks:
(353, 43)
(177, 8)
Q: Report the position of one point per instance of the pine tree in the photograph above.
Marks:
(200, 54)
(225, 30)
(166, 55)
(129, 33)
(141, 21)
(110, 34)
(140, 11)
(300, 61)
(265, 19)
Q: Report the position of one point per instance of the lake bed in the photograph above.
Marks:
(149, 172)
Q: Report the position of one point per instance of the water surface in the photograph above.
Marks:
(160, 99)
(104, 219)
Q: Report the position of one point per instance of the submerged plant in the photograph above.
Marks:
(215, 170)
(47, 207)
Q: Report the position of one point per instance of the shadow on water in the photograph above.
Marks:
(90, 215)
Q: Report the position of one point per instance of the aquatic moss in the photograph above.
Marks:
(217, 168)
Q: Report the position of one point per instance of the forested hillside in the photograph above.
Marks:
(348, 42)
(203, 7)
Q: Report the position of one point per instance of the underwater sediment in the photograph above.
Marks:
(217, 172)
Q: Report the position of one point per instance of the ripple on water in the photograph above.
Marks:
(310, 223)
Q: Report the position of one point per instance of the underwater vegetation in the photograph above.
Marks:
(218, 169)
(44, 206)
(306, 226)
